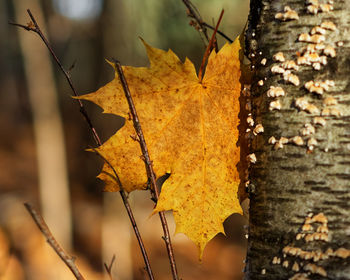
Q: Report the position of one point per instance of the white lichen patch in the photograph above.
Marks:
(279, 57)
(250, 120)
(311, 48)
(302, 60)
(288, 14)
(307, 227)
(331, 112)
(304, 37)
(330, 100)
(252, 158)
(275, 105)
(308, 129)
(325, 8)
(282, 141)
(315, 269)
(329, 51)
(319, 218)
(291, 78)
(275, 260)
(322, 228)
(342, 253)
(316, 237)
(258, 129)
(340, 43)
(316, 66)
(312, 109)
(299, 236)
(328, 25)
(299, 276)
(290, 64)
(297, 140)
(309, 261)
(272, 140)
(318, 30)
(295, 267)
(319, 121)
(312, 9)
(292, 251)
(311, 143)
(323, 60)
(312, 57)
(335, 112)
(275, 92)
(276, 69)
(318, 87)
(313, 87)
(317, 38)
(278, 145)
(302, 103)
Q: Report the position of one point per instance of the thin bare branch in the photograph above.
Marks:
(67, 259)
(27, 27)
(194, 13)
(34, 27)
(131, 216)
(219, 32)
(109, 267)
(149, 168)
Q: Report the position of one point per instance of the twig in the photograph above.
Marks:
(194, 13)
(109, 267)
(33, 26)
(131, 216)
(67, 259)
(149, 168)
(207, 51)
(219, 32)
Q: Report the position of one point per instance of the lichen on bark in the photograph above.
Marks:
(289, 183)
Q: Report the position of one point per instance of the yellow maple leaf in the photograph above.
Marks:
(190, 127)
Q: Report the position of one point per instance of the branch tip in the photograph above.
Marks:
(37, 218)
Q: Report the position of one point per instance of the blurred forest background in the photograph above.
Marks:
(43, 139)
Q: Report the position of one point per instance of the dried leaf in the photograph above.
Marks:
(190, 127)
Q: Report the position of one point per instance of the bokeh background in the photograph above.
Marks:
(43, 139)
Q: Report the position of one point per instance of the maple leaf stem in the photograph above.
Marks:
(149, 167)
(34, 27)
(67, 259)
(209, 47)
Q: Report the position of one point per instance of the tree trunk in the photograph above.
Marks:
(291, 183)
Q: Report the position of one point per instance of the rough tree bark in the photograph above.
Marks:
(289, 186)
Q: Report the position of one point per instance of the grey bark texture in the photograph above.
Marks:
(292, 184)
